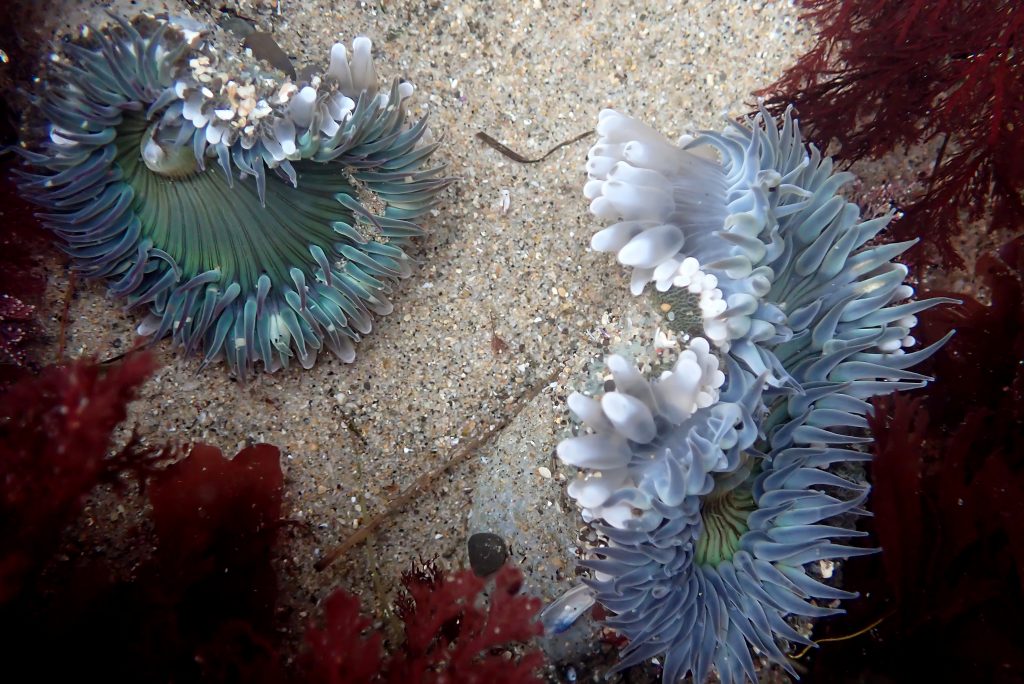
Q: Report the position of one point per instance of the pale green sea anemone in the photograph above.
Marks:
(253, 217)
(716, 493)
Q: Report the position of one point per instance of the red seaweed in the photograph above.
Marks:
(54, 436)
(449, 636)
(948, 505)
(889, 74)
(200, 604)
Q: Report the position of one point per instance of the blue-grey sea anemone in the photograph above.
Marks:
(713, 506)
(253, 217)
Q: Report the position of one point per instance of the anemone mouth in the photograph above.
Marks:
(725, 513)
(206, 221)
(255, 220)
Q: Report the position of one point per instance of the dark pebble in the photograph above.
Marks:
(487, 553)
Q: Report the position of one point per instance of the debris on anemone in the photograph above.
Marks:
(253, 217)
(719, 494)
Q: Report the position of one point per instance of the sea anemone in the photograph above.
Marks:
(673, 483)
(253, 217)
(749, 222)
(713, 506)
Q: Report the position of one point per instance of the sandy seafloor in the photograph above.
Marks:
(531, 74)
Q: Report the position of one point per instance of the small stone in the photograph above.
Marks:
(286, 91)
(827, 568)
(487, 553)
